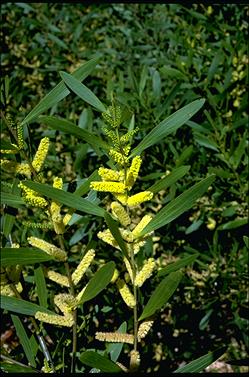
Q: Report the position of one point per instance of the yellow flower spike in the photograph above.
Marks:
(20, 136)
(134, 359)
(31, 197)
(67, 218)
(126, 235)
(143, 329)
(55, 209)
(115, 276)
(23, 169)
(141, 225)
(108, 186)
(65, 302)
(211, 223)
(119, 157)
(6, 290)
(55, 319)
(50, 249)
(41, 154)
(120, 213)
(58, 278)
(107, 237)
(128, 268)
(137, 246)
(108, 174)
(115, 337)
(80, 294)
(133, 171)
(122, 198)
(126, 295)
(83, 266)
(139, 198)
(145, 273)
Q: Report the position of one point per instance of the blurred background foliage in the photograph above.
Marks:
(155, 58)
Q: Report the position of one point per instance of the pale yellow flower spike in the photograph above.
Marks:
(139, 198)
(55, 209)
(108, 186)
(126, 295)
(108, 174)
(120, 213)
(55, 319)
(141, 225)
(115, 276)
(32, 198)
(133, 171)
(83, 266)
(115, 337)
(50, 249)
(145, 273)
(65, 302)
(121, 197)
(118, 157)
(107, 237)
(143, 329)
(41, 154)
(134, 359)
(128, 268)
(58, 278)
(23, 169)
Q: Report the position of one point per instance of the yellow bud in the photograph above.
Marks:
(134, 359)
(58, 278)
(133, 171)
(211, 223)
(55, 319)
(144, 329)
(141, 225)
(115, 276)
(107, 237)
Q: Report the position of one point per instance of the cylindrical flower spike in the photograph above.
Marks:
(32, 198)
(24, 169)
(108, 174)
(128, 268)
(58, 278)
(133, 171)
(119, 157)
(144, 329)
(107, 237)
(50, 249)
(127, 296)
(139, 198)
(115, 337)
(83, 266)
(122, 198)
(55, 209)
(145, 273)
(141, 225)
(120, 213)
(108, 186)
(55, 319)
(65, 302)
(134, 360)
(115, 276)
(41, 154)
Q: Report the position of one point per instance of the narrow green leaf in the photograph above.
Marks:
(93, 359)
(202, 362)
(168, 125)
(82, 91)
(41, 287)
(177, 265)
(71, 129)
(24, 340)
(22, 255)
(16, 368)
(60, 91)
(66, 198)
(178, 205)
(170, 179)
(205, 141)
(161, 294)
(17, 305)
(233, 224)
(98, 282)
(246, 241)
(12, 200)
(113, 226)
(8, 222)
(174, 73)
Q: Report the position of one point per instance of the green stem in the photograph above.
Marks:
(72, 292)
